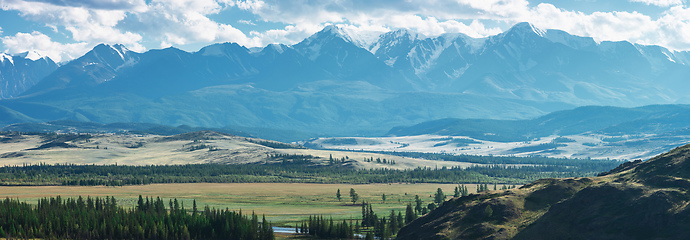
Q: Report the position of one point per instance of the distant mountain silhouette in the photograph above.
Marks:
(335, 84)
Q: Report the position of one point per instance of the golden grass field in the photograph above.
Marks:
(282, 203)
(161, 150)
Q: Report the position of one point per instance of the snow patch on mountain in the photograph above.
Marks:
(524, 28)
(391, 61)
(476, 45)
(5, 56)
(120, 50)
(668, 57)
(406, 34)
(680, 57)
(314, 51)
(360, 39)
(277, 47)
(422, 57)
(537, 30)
(128, 63)
(32, 55)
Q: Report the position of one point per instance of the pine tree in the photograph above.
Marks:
(393, 222)
(140, 204)
(488, 212)
(194, 209)
(400, 220)
(354, 195)
(409, 214)
(266, 229)
(439, 197)
(431, 206)
(337, 195)
(418, 204)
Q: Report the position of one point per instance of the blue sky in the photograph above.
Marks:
(66, 29)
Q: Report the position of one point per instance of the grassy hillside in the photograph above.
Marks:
(638, 200)
(201, 147)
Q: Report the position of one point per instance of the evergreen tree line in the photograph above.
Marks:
(379, 161)
(382, 227)
(286, 169)
(274, 144)
(482, 188)
(461, 191)
(320, 228)
(590, 164)
(102, 218)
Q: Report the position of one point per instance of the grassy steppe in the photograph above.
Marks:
(282, 203)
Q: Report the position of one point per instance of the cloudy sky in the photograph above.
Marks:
(66, 29)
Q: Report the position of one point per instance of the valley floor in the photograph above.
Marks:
(284, 204)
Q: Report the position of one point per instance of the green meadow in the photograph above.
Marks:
(284, 204)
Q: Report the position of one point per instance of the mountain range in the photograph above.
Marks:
(331, 83)
(21, 72)
(668, 120)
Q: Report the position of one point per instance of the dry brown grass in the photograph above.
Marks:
(151, 149)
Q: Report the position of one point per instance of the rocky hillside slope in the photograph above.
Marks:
(637, 200)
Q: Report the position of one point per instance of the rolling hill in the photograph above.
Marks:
(637, 200)
(597, 132)
(197, 147)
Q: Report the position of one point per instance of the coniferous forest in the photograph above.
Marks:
(298, 169)
(102, 218)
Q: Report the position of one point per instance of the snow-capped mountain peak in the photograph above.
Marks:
(120, 49)
(407, 33)
(327, 32)
(32, 55)
(311, 46)
(5, 57)
(526, 27)
(280, 48)
(359, 39)
(519, 33)
(115, 56)
(398, 40)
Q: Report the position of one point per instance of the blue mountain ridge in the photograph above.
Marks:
(332, 84)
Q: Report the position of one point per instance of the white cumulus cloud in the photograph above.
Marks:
(180, 23)
(39, 42)
(84, 24)
(660, 3)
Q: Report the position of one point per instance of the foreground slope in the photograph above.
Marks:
(638, 200)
